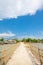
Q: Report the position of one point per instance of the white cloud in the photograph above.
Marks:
(15, 8)
(41, 33)
(35, 35)
(27, 36)
(30, 36)
(6, 35)
(1, 19)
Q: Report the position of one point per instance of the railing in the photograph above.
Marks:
(37, 52)
(5, 55)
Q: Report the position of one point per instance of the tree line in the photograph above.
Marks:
(25, 40)
(32, 40)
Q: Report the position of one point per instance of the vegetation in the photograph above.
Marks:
(16, 40)
(23, 40)
(1, 39)
(32, 40)
(41, 40)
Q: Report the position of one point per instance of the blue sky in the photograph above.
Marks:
(21, 19)
(24, 26)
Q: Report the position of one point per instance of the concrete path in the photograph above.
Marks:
(20, 56)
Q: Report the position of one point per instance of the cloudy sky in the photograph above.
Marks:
(21, 18)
